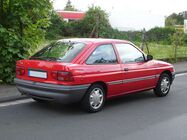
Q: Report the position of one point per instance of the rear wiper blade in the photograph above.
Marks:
(44, 58)
(50, 58)
(36, 58)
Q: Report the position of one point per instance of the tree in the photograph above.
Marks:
(177, 40)
(174, 19)
(96, 23)
(22, 27)
(69, 7)
(56, 28)
(161, 35)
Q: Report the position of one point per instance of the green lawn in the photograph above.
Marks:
(166, 51)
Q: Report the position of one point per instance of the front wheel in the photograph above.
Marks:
(94, 99)
(163, 85)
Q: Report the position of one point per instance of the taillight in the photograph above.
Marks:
(62, 76)
(20, 71)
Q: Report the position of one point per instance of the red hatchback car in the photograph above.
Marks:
(90, 71)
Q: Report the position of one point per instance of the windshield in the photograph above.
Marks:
(59, 51)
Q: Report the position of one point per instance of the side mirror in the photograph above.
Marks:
(149, 57)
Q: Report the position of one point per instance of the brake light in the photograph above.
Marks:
(20, 71)
(62, 76)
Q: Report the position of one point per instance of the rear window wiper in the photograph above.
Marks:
(36, 58)
(44, 58)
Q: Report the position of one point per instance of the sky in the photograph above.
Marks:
(131, 14)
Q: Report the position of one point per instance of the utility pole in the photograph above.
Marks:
(176, 44)
(144, 41)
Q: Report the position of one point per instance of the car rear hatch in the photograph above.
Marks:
(50, 65)
(40, 71)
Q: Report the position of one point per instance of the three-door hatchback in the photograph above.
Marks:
(90, 71)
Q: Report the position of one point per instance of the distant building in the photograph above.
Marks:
(185, 20)
(71, 15)
(185, 26)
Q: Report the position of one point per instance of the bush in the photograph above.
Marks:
(22, 28)
(11, 50)
(184, 39)
(56, 28)
(161, 35)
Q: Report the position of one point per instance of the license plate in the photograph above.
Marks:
(37, 74)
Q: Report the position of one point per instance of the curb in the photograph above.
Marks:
(179, 72)
(13, 98)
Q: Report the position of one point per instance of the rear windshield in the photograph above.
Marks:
(60, 51)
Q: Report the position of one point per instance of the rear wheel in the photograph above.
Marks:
(163, 85)
(94, 99)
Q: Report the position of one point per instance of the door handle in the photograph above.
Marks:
(126, 69)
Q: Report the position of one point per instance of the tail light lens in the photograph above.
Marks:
(20, 71)
(62, 76)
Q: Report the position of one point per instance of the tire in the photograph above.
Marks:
(94, 99)
(163, 85)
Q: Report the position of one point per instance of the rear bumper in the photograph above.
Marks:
(51, 92)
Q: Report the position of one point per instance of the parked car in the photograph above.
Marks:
(90, 71)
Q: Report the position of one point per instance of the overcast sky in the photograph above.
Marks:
(132, 14)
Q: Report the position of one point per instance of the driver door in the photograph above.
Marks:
(138, 74)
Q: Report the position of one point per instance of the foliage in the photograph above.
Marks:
(11, 50)
(69, 7)
(174, 19)
(73, 29)
(160, 51)
(161, 35)
(56, 28)
(184, 40)
(96, 22)
(134, 36)
(177, 38)
(22, 27)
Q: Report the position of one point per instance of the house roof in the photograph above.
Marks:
(71, 14)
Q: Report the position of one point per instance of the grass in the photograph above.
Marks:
(166, 52)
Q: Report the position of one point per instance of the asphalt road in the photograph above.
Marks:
(139, 116)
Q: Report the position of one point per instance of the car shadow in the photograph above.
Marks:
(58, 108)
(130, 98)
(75, 109)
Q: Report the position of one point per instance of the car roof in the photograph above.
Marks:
(94, 40)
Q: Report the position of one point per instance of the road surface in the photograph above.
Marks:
(141, 116)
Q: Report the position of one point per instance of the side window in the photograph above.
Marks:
(129, 53)
(103, 54)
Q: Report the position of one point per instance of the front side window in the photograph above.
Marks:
(129, 53)
(60, 51)
(103, 54)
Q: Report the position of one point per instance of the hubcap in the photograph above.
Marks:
(165, 85)
(96, 98)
